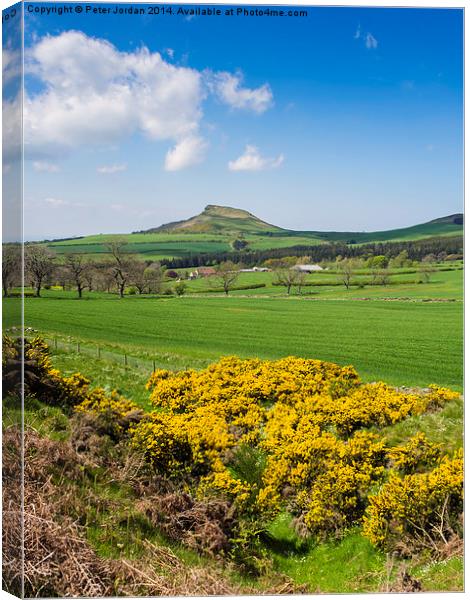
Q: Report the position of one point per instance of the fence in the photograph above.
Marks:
(96, 351)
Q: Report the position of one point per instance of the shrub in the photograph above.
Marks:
(180, 288)
(113, 413)
(420, 510)
(40, 378)
(417, 454)
(269, 435)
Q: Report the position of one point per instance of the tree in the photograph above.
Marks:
(90, 275)
(239, 245)
(11, 267)
(226, 275)
(345, 268)
(426, 268)
(377, 262)
(62, 276)
(381, 276)
(77, 267)
(302, 276)
(122, 265)
(138, 278)
(400, 260)
(155, 275)
(39, 263)
(180, 288)
(287, 276)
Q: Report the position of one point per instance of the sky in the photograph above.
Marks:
(347, 119)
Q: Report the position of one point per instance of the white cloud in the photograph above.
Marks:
(229, 89)
(371, 42)
(110, 169)
(251, 160)
(43, 166)
(189, 151)
(11, 130)
(11, 65)
(93, 95)
(97, 95)
(55, 202)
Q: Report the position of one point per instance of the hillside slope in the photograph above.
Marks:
(218, 219)
(444, 226)
(216, 227)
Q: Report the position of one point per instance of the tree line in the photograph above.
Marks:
(41, 269)
(416, 250)
(124, 271)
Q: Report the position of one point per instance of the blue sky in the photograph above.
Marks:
(348, 119)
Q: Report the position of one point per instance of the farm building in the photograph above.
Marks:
(307, 268)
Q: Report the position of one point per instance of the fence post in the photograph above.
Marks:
(154, 369)
(78, 347)
(99, 352)
(125, 360)
(55, 343)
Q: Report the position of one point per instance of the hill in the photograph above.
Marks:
(444, 226)
(218, 219)
(216, 228)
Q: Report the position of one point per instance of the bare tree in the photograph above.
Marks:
(138, 269)
(121, 264)
(301, 280)
(11, 267)
(90, 275)
(226, 275)
(287, 276)
(62, 276)
(77, 266)
(39, 262)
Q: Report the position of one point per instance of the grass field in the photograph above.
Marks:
(404, 343)
(156, 246)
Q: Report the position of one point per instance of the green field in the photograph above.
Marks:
(156, 246)
(404, 343)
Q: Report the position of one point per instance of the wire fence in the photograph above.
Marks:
(97, 352)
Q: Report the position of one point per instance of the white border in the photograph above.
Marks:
(344, 3)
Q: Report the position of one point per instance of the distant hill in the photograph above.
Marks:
(218, 219)
(444, 226)
(216, 228)
(232, 221)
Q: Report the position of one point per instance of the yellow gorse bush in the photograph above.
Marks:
(307, 417)
(417, 454)
(285, 434)
(421, 507)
